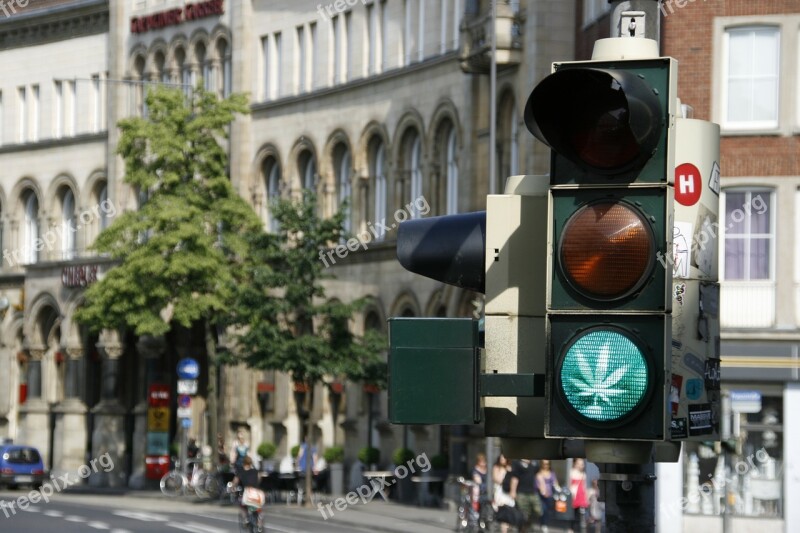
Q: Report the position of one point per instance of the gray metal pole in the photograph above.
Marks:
(493, 106)
(629, 489)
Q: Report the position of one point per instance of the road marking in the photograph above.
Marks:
(144, 517)
(54, 514)
(98, 525)
(120, 531)
(194, 527)
(32, 509)
(75, 519)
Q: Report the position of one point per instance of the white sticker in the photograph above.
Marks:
(713, 181)
(681, 248)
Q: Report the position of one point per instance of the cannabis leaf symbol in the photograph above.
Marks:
(598, 390)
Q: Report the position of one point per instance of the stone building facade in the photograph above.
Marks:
(384, 104)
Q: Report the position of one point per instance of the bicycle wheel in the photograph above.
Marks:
(199, 484)
(247, 522)
(212, 486)
(172, 483)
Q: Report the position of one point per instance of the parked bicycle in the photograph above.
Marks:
(203, 483)
(474, 511)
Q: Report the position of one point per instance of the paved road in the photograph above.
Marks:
(118, 514)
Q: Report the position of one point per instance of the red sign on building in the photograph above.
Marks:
(158, 395)
(173, 17)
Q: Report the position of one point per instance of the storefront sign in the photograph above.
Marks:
(174, 17)
(78, 275)
(746, 401)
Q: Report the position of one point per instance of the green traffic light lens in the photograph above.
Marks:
(604, 376)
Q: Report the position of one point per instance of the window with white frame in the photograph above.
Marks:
(421, 30)
(407, 33)
(97, 104)
(277, 65)
(336, 30)
(384, 33)
(300, 59)
(749, 234)
(71, 108)
(265, 64)
(751, 78)
(312, 56)
(22, 113)
(372, 39)
(34, 126)
(58, 109)
(347, 60)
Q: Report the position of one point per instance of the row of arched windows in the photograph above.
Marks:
(61, 230)
(182, 62)
(379, 175)
(375, 178)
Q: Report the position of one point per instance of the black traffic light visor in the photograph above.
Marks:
(605, 121)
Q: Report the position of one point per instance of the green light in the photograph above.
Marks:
(604, 375)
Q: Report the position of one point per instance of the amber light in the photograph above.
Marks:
(607, 250)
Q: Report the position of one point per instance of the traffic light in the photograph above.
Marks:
(610, 125)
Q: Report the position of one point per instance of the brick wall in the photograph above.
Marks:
(687, 35)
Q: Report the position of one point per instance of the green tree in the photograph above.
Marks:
(182, 253)
(284, 320)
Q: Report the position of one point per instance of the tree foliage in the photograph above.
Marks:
(181, 254)
(284, 318)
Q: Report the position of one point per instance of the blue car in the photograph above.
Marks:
(20, 465)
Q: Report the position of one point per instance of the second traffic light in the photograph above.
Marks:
(609, 124)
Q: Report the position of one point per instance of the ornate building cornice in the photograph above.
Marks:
(60, 23)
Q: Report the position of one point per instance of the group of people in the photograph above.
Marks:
(525, 493)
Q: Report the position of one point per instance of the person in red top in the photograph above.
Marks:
(580, 499)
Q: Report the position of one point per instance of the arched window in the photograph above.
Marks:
(162, 73)
(343, 174)
(224, 80)
(68, 225)
(184, 73)
(138, 104)
(377, 171)
(202, 65)
(272, 181)
(102, 201)
(308, 170)
(30, 228)
(451, 162)
(415, 166)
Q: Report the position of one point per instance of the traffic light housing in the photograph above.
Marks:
(610, 125)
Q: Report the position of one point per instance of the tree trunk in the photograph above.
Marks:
(211, 352)
(309, 448)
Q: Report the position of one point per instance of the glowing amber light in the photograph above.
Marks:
(607, 250)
